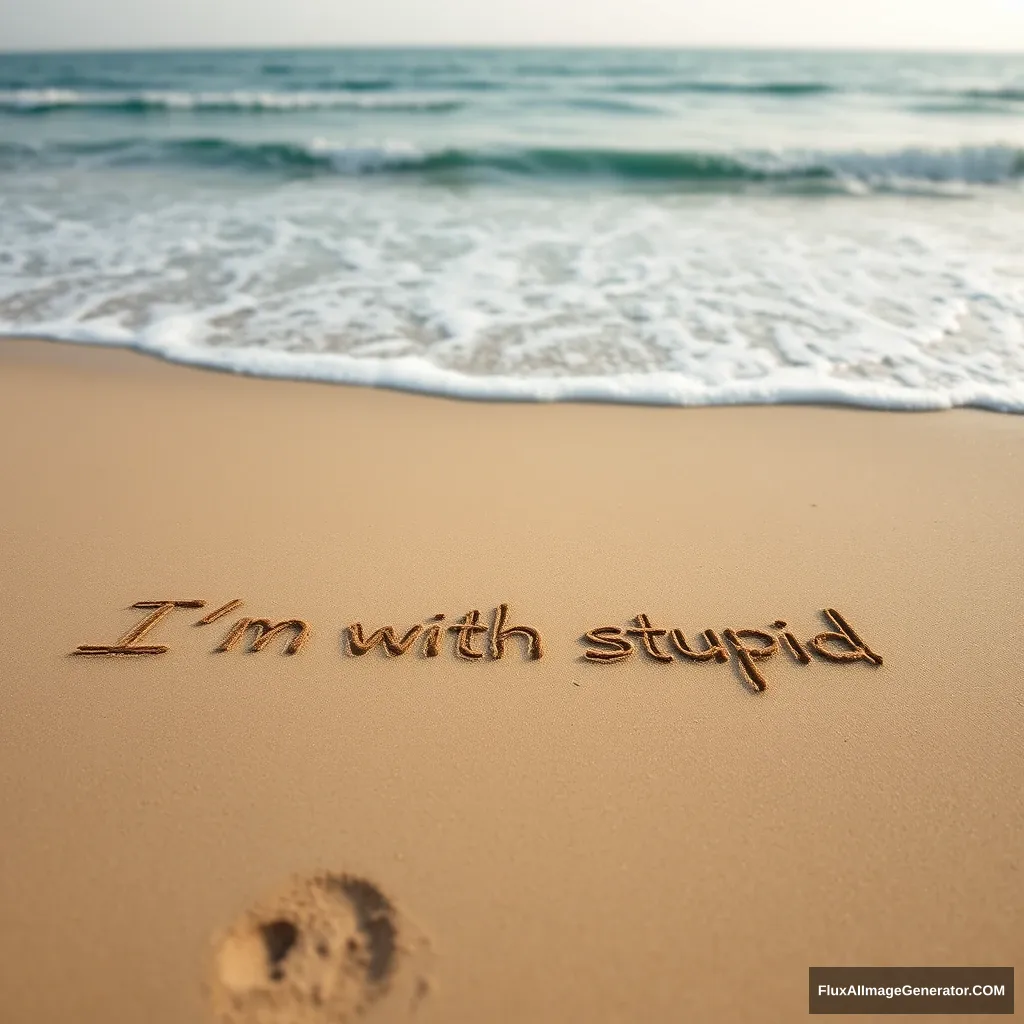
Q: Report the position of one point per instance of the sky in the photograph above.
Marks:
(855, 24)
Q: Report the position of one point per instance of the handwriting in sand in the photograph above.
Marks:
(474, 640)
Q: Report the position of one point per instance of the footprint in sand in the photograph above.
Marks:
(319, 952)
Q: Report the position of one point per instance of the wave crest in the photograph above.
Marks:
(728, 88)
(894, 170)
(41, 101)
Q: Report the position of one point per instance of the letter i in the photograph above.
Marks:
(793, 645)
(432, 647)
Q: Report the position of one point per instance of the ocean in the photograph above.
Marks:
(656, 226)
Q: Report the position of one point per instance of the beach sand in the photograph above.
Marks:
(550, 840)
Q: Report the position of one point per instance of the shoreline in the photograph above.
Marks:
(555, 839)
(416, 376)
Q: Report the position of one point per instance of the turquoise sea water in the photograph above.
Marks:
(633, 225)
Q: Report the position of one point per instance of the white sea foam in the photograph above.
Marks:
(409, 373)
(490, 294)
(367, 158)
(787, 385)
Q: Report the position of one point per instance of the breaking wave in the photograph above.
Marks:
(42, 101)
(971, 165)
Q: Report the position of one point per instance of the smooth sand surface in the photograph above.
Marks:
(559, 840)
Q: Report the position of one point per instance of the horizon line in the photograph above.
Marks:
(484, 46)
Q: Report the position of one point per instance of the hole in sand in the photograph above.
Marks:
(279, 937)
